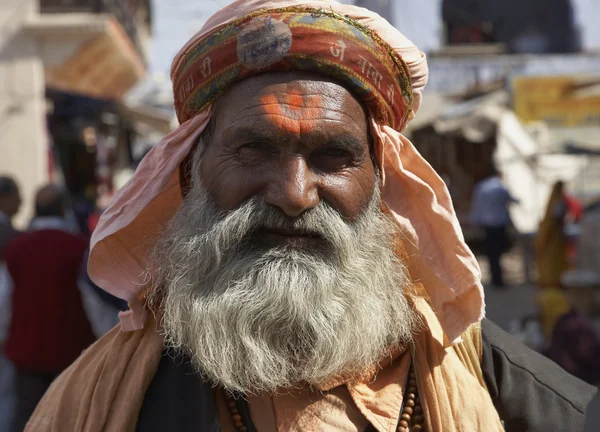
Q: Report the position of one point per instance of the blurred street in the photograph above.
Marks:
(509, 120)
(518, 300)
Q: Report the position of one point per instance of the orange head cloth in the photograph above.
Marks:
(393, 74)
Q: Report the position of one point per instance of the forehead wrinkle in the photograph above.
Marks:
(301, 93)
(283, 97)
(305, 137)
(264, 116)
(302, 119)
(243, 105)
(270, 103)
(296, 99)
(266, 130)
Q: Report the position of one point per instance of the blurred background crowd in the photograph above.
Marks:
(510, 121)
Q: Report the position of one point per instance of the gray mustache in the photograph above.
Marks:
(255, 216)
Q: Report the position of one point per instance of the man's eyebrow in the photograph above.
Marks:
(255, 132)
(260, 132)
(347, 142)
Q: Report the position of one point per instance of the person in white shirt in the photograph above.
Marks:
(489, 210)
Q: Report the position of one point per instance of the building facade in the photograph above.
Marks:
(532, 27)
(89, 48)
(556, 26)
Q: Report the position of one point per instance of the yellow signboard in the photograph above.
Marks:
(552, 99)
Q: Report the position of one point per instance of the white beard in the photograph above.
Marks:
(256, 319)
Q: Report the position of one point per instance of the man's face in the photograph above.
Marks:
(293, 143)
(280, 262)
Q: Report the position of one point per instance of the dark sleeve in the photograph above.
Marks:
(178, 400)
(117, 303)
(530, 392)
(106, 297)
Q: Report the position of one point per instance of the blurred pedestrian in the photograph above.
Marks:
(551, 239)
(489, 210)
(588, 253)
(573, 342)
(10, 202)
(49, 327)
(102, 308)
(552, 304)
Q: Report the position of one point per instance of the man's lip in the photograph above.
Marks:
(296, 239)
(288, 233)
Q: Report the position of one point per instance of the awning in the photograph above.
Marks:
(475, 120)
(432, 106)
(86, 53)
(156, 119)
(581, 149)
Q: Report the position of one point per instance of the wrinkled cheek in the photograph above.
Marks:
(350, 196)
(233, 187)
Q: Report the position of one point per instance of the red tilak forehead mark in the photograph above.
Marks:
(293, 111)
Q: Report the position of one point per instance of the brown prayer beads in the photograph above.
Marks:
(412, 419)
(238, 422)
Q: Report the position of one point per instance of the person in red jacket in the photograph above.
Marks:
(49, 328)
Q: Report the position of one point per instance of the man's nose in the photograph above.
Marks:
(293, 188)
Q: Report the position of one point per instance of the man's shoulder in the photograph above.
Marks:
(493, 184)
(7, 235)
(64, 238)
(104, 388)
(67, 392)
(61, 233)
(530, 391)
(77, 240)
(487, 186)
(7, 230)
(27, 242)
(18, 240)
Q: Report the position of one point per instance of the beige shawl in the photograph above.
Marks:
(105, 388)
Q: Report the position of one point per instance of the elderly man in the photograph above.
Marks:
(290, 261)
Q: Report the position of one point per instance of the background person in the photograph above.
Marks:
(10, 202)
(490, 211)
(551, 240)
(49, 326)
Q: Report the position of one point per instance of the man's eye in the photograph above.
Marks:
(335, 152)
(255, 147)
(332, 159)
(254, 151)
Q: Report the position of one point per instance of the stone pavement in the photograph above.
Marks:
(516, 301)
